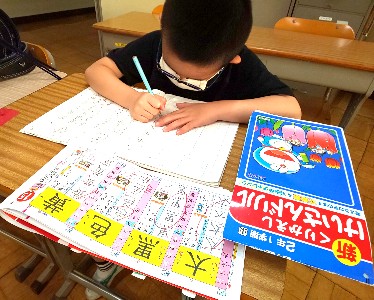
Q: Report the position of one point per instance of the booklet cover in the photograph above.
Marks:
(296, 196)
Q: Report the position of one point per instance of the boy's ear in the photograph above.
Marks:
(236, 60)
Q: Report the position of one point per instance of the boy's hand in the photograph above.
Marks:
(189, 116)
(146, 106)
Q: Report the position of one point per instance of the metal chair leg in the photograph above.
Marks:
(354, 105)
(24, 270)
(39, 284)
(72, 274)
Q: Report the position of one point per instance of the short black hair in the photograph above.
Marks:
(206, 31)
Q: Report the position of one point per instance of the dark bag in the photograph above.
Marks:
(15, 58)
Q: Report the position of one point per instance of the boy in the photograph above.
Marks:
(200, 54)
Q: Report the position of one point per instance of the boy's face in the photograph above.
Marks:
(187, 75)
(187, 70)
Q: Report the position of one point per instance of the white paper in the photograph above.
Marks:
(89, 118)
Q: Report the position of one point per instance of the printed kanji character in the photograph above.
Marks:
(243, 231)
(196, 264)
(262, 237)
(55, 204)
(145, 247)
(347, 251)
(101, 227)
(253, 234)
(281, 242)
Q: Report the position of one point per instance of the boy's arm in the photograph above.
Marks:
(103, 76)
(189, 116)
(240, 110)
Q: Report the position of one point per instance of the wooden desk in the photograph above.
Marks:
(22, 155)
(332, 62)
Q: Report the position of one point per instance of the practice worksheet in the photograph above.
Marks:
(89, 118)
(161, 226)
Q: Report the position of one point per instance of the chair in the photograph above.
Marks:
(44, 56)
(38, 247)
(41, 54)
(316, 27)
(320, 28)
(158, 10)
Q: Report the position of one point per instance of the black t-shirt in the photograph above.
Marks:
(246, 80)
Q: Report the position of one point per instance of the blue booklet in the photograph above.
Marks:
(296, 196)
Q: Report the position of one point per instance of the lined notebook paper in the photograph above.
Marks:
(199, 155)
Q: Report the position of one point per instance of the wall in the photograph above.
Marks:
(114, 8)
(22, 8)
(265, 13)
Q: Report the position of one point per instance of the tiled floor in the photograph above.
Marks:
(74, 44)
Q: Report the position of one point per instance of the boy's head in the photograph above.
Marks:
(206, 32)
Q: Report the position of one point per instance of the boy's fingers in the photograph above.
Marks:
(154, 102)
(158, 102)
(184, 104)
(141, 118)
(163, 103)
(152, 111)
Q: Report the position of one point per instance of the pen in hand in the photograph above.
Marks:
(144, 79)
(142, 75)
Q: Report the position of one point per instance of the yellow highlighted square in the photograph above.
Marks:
(55, 204)
(197, 265)
(146, 247)
(99, 227)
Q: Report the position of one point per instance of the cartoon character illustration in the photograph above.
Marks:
(294, 134)
(321, 142)
(121, 182)
(276, 154)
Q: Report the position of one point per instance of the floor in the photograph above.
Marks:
(74, 45)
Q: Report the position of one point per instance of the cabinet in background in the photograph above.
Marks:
(267, 12)
(355, 13)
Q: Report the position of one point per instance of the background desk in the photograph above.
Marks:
(22, 155)
(332, 62)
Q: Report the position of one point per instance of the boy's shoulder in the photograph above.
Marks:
(148, 42)
(249, 60)
(152, 36)
(248, 54)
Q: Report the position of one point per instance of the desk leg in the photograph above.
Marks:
(27, 267)
(38, 285)
(72, 274)
(352, 109)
